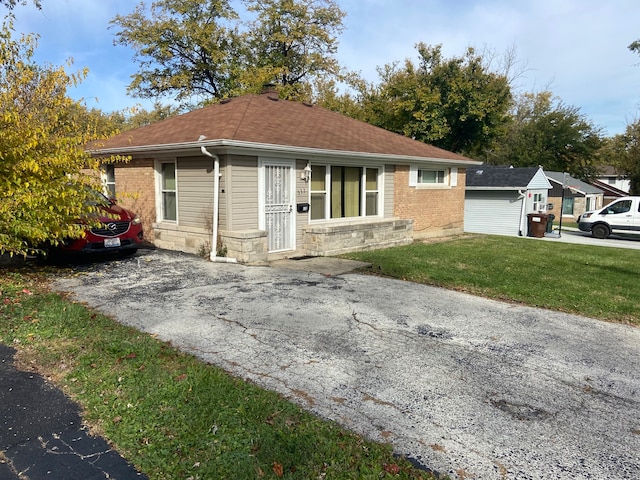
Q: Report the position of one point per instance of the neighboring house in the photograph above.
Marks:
(579, 196)
(610, 193)
(611, 177)
(259, 178)
(498, 199)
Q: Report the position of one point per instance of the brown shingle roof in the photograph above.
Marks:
(265, 119)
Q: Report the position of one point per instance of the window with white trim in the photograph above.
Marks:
(109, 180)
(344, 192)
(432, 177)
(168, 191)
(539, 202)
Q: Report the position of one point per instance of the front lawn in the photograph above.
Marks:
(594, 281)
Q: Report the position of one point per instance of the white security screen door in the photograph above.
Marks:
(277, 197)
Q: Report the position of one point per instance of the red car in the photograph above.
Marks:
(121, 231)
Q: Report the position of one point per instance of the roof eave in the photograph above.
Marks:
(272, 148)
(573, 187)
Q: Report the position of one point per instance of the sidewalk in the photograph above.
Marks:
(573, 235)
(42, 436)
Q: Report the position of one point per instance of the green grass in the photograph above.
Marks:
(565, 223)
(168, 413)
(594, 281)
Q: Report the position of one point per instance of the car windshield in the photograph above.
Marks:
(98, 198)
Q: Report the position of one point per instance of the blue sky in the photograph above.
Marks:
(575, 48)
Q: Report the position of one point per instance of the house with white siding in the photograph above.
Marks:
(256, 177)
(498, 199)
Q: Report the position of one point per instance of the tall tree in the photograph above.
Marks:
(626, 155)
(201, 49)
(185, 48)
(544, 131)
(456, 103)
(292, 42)
(42, 155)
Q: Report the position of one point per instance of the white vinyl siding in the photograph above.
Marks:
(389, 175)
(492, 212)
(242, 193)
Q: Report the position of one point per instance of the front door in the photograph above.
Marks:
(277, 197)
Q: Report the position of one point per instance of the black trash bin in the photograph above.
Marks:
(550, 220)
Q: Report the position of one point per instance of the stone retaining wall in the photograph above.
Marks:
(326, 240)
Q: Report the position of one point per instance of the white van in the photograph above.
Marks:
(621, 216)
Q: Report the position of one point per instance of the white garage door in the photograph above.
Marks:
(492, 212)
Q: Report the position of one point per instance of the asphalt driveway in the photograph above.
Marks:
(466, 386)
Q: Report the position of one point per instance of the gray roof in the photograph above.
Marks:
(500, 177)
(558, 177)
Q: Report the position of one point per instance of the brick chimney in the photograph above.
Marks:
(269, 89)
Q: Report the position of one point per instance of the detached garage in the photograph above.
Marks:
(498, 199)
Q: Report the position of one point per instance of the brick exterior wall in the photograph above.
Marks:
(436, 212)
(135, 190)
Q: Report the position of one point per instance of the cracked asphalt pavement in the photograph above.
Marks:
(466, 386)
(42, 435)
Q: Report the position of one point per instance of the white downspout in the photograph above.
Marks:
(523, 196)
(216, 202)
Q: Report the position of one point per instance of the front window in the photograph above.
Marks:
(425, 177)
(539, 202)
(318, 192)
(371, 188)
(567, 206)
(109, 178)
(344, 192)
(433, 177)
(168, 188)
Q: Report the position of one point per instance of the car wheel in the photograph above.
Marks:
(600, 231)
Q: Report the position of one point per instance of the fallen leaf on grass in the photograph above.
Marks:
(391, 468)
(277, 469)
(127, 357)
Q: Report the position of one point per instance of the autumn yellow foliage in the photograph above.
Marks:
(44, 185)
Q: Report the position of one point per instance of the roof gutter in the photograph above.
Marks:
(267, 147)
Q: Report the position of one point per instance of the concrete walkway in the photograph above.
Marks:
(466, 386)
(573, 235)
